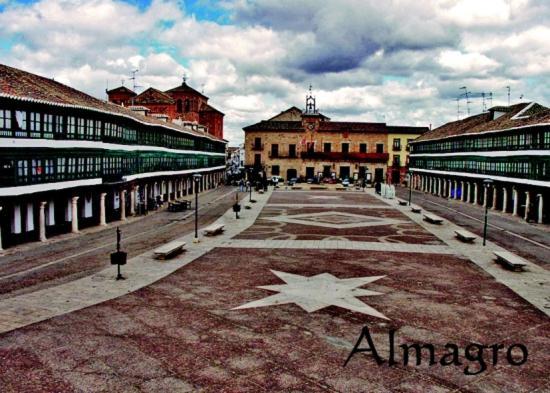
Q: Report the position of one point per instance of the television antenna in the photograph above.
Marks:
(508, 87)
(135, 85)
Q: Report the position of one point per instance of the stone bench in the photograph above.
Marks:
(432, 219)
(416, 209)
(510, 260)
(169, 250)
(213, 229)
(465, 236)
(402, 202)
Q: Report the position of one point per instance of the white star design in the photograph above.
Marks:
(317, 292)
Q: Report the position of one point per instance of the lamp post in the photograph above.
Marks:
(487, 184)
(250, 181)
(197, 178)
(410, 186)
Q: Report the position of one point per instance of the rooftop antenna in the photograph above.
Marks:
(484, 107)
(457, 108)
(184, 78)
(508, 87)
(468, 102)
(135, 85)
(490, 99)
(202, 88)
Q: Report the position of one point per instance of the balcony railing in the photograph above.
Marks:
(396, 148)
(282, 155)
(339, 156)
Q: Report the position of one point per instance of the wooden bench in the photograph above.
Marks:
(169, 250)
(213, 229)
(432, 219)
(510, 260)
(465, 236)
(416, 209)
(402, 202)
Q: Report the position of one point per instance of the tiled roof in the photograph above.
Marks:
(18, 84)
(153, 96)
(535, 114)
(185, 88)
(266, 125)
(407, 130)
(345, 126)
(121, 89)
(210, 108)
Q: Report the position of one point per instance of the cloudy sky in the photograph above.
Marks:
(398, 61)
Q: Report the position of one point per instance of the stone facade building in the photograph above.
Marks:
(69, 160)
(181, 103)
(306, 144)
(508, 145)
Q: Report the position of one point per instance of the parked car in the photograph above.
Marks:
(345, 183)
(292, 181)
(310, 181)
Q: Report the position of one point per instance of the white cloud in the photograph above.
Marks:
(400, 61)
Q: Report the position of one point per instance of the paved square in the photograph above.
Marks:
(199, 329)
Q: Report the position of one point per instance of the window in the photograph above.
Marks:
(61, 168)
(36, 169)
(362, 148)
(35, 125)
(274, 150)
(292, 150)
(396, 144)
(22, 169)
(81, 128)
(275, 170)
(5, 122)
(257, 143)
(179, 106)
(345, 148)
(396, 160)
(71, 126)
(21, 119)
(326, 147)
(380, 148)
(48, 126)
(59, 124)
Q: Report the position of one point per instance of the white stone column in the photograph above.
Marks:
(439, 181)
(42, 222)
(504, 199)
(515, 201)
(145, 195)
(469, 186)
(133, 201)
(462, 193)
(74, 213)
(449, 188)
(540, 209)
(455, 183)
(527, 205)
(475, 194)
(102, 219)
(123, 205)
(495, 198)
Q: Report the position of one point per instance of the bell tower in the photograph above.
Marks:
(311, 108)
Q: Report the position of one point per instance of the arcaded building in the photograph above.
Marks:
(509, 145)
(69, 160)
(307, 144)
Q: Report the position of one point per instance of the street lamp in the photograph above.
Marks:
(197, 178)
(487, 184)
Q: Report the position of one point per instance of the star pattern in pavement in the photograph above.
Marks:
(317, 292)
